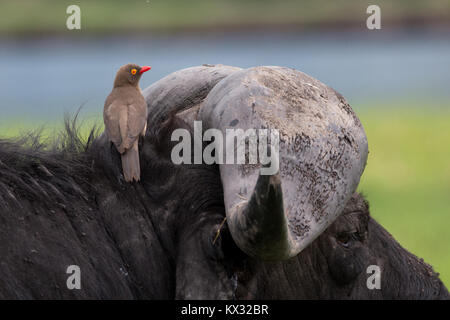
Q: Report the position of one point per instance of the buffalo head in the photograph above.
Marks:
(306, 218)
(201, 230)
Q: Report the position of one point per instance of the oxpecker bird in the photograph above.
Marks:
(125, 117)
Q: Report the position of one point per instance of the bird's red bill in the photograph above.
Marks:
(144, 69)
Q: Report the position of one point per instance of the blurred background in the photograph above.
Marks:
(397, 79)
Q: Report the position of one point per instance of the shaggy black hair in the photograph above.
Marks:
(64, 202)
(70, 190)
(34, 167)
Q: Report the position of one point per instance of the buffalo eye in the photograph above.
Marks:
(345, 238)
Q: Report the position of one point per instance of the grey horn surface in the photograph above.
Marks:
(322, 154)
(322, 149)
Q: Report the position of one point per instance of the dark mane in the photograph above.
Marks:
(31, 165)
(68, 165)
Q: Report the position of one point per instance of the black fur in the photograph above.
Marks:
(65, 203)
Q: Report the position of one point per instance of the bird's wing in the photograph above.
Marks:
(124, 121)
(115, 118)
(137, 119)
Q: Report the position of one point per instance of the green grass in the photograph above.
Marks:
(14, 127)
(37, 16)
(407, 178)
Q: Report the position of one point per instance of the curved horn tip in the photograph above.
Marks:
(259, 226)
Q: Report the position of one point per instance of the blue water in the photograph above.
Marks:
(42, 78)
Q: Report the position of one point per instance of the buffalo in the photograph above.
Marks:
(205, 230)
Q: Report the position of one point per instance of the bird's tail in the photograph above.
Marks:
(130, 163)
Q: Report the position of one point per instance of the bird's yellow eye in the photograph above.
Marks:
(133, 71)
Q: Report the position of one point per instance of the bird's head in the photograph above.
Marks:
(129, 75)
